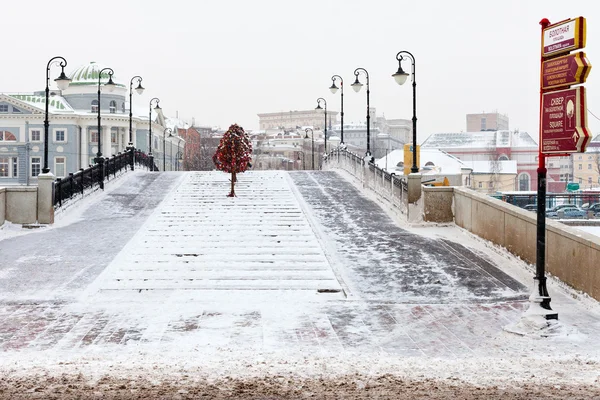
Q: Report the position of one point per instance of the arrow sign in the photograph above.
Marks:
(571, 69)
(564, 122)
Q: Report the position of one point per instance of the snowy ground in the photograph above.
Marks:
(163, 287)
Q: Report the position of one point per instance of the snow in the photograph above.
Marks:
(200, 284)
(594, 230)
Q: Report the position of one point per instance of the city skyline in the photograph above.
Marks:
(226, 63)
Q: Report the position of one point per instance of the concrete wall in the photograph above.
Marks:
(437, 205)
(2, 205)
(21, 205)
(572, 256)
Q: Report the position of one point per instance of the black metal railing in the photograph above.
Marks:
(89, 179)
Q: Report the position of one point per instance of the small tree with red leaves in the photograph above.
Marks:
(234, 153)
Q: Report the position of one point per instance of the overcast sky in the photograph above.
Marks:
(224, 61)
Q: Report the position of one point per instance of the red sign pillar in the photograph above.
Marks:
(541, 296)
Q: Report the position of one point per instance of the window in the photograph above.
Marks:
(3, 108)
(483, 124)
(59, 167)
(590, 180)
(15, 166)
(60, 135)
(6, 136)
(16, 110)
(94, 106)
(123, 107)
(35, 135)
(113, 136)
(4, 171)
(504, 157)
(580, 166)
(36, 166)
(524, 182)
(589, 166)
(480, 185)
(112, 107)
(93, 136)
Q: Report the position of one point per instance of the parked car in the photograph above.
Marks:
(530, 207)
(568, 213)
(560, 207)
(595, 208)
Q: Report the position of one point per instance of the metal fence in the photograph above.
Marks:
(90, 179)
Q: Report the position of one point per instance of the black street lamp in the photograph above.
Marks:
(400, 77)
(312, 136)
(110, 86)
(319, 100)
(334, 90)
(357, 86)
(139, 89)
(62, 82)
(157, 109)
(165, 147)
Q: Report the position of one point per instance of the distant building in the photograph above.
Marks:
(586, 166)
(500, 146)
(288, 120)
(487, 122)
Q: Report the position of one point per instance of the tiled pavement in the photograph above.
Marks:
(434, 303)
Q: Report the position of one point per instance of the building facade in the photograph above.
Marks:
(487, 122)
(73, 127)
(288, 120)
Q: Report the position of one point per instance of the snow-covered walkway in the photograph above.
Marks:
(301, 276)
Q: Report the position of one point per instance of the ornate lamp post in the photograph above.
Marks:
(165, 147)
(139, 89)
(62, 82)
(357, 86)
(319, 100)
(334, 90)
(157, 109)
(400, 77)
(110, 85)
(312, 154)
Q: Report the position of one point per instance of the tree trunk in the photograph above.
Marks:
(232, 194)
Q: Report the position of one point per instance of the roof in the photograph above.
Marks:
(431, 161)
(88, 75)
(487, 139)
(55, 104)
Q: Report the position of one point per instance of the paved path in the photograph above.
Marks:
(298, 264)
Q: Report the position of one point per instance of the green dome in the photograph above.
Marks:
(88, 75)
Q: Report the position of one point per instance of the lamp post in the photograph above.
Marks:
(165, 147)
(312, 136)
(157, 109)
(62, 82)
(400, 77)
(110, 85)
(357, 86)
(139, 89)
(333, 88)
(319, 100)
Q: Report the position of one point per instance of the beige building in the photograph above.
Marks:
(487, 122)
(586, 168)
(288, 120)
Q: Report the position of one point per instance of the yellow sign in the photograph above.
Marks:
(408, 157)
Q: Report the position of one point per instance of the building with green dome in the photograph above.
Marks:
(73, 130)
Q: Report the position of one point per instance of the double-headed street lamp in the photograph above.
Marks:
(165, 147)
(62, 82)
(139, 89)
(110, 86)
(334, 90)
(400, 77)
(312, 154)
(319, 100)
(357, 86)
(157, 109)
